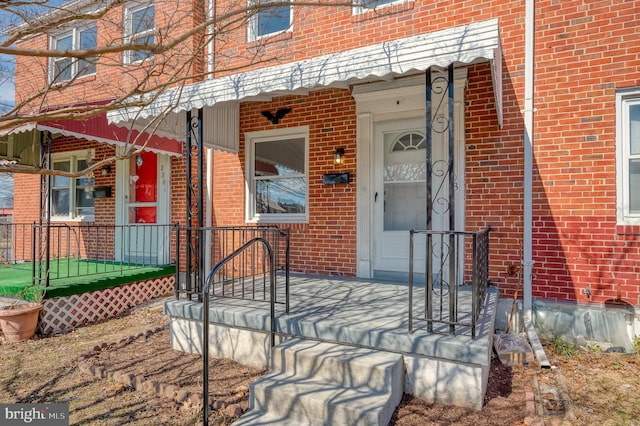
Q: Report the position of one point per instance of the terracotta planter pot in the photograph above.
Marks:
(19, 321)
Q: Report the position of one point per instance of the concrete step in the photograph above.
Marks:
(316, 383)
(307, 401)
(260, 418)
(348, 366)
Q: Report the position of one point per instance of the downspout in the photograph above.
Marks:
(209, 177)
(527, 261)
(527, 237)
(209, 208)
(211, 42)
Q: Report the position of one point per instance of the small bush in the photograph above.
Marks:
(563, 348)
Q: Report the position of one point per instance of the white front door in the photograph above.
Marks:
(399, 196)
(400, 191)
(142, 209)
(392, 181)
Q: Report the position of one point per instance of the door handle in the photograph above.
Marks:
(375, 198)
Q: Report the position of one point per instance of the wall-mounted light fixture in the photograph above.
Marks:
(338, 156)
(105, 170)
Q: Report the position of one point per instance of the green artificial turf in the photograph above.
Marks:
(75, 276)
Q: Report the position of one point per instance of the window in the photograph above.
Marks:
(71, 198)
(404, 177)
(628, 156)
(66, 69)
(276, 165)
(139, 29)
(268, 20)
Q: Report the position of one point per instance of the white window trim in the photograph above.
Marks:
(623, 100)
(75, 37)
(358, 10)
(128, 30)
(250, 197)
(72, 157)
(252, 27)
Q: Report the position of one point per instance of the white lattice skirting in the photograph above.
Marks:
(62, 314)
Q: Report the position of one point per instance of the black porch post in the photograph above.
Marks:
(44, 216)
(188, 254)
(428, 293)
(200, 204)
(453, 257)
(195, 205)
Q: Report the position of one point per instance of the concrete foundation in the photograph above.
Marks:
(438, 366)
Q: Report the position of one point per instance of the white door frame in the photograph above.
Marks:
(395, 100)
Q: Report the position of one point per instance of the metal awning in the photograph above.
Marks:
(473, 43)
(98, 129)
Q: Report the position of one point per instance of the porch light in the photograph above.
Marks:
(338, 156)
(106, 170)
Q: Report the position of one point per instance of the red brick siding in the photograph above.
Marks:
(320, 31)
(493, 178)
(112, 80)
(584, 52)
(327, 244)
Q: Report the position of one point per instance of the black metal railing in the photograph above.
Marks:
(452, 259)
(15, 245)
(246, 275)
(59, 251)
(90, 249)
(267, 254)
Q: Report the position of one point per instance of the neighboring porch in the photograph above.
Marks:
(66, 259)
(84, 272)
(77, 276)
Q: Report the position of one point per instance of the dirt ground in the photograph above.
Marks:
(155, 385)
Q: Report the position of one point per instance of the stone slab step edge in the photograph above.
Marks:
(344, 365)
(305, 400)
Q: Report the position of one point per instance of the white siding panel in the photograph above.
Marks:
(222, 126)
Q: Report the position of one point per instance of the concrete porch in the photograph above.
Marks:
(367, 314)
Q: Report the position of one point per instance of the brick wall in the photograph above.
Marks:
(327, 244)
(584, 52)
(112, 79)
(583, 55)
(318, 31)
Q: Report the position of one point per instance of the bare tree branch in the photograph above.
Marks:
(177, 56)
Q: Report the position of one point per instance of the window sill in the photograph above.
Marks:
(362, 14)
(278, 220)
(80, 80)
(270, 38)
(67, 219)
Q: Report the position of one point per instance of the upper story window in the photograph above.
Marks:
(277, 183)
(139, 29)
(72, 199)
(65, 69)
(628, 156)
(268, 20)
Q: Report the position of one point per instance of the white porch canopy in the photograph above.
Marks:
(473, 43)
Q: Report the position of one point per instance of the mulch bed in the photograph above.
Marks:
(146, 362)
